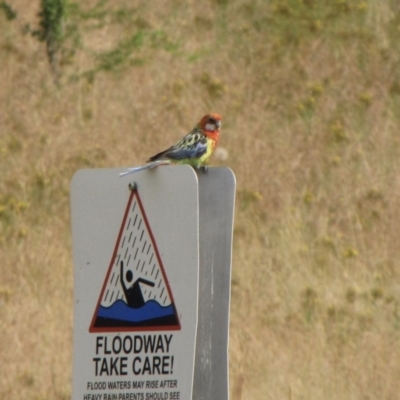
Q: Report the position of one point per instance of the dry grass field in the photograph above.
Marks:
(309, 92)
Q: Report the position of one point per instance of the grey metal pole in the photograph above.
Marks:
(216, 208)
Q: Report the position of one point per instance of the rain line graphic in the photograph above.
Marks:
(136, 295)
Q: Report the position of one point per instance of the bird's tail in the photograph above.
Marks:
(143, 167)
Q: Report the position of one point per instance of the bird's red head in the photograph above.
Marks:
(211, 124)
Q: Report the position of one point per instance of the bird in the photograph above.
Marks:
(194, 149)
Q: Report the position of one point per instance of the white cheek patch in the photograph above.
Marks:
(210, 127)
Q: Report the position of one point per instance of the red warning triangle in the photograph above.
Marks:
(136, 295)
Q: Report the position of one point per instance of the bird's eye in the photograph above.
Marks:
(211, 120)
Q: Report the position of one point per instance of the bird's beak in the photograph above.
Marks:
(218, 123)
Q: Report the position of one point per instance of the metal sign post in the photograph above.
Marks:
(152, 271)
(216, 210)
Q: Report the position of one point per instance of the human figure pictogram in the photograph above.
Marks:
(133, 294)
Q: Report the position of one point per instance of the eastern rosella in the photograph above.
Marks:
(194, 149)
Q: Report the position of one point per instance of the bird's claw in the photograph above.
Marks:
(203, 169)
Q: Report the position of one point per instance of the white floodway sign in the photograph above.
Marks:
(136, 257)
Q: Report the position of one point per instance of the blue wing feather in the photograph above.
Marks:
(193, 145)
(194, 151)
